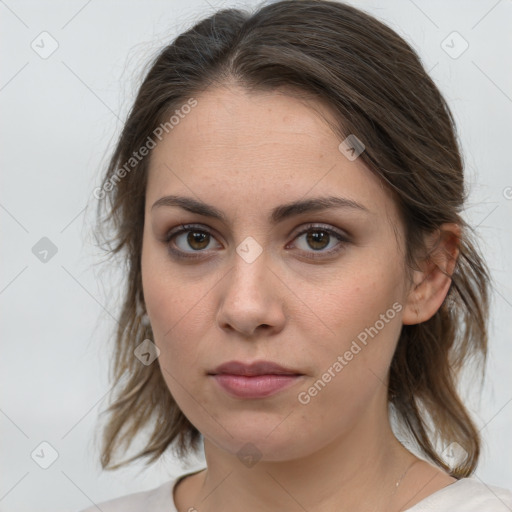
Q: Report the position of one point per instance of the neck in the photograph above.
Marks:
(359, 468)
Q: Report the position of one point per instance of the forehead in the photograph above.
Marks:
(246, 148)
(244, 124)
(260, 113)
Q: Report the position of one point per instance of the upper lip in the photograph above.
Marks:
(254, 368)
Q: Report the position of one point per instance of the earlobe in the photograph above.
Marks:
(431, 283)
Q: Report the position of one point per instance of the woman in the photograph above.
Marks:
(287, 193)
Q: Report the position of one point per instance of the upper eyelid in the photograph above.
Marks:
(317, 225)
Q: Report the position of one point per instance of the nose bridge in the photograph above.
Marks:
(249, 298)
(250, 267)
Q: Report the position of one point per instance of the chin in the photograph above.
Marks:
(262, 440)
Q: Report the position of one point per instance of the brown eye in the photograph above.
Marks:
(318, 239)
(189, 240)
(198, 240)
(319, 242)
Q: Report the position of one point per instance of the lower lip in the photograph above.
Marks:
(257, 386)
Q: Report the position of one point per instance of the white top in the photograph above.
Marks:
(465, 495)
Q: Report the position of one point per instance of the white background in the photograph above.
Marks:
(60, 116)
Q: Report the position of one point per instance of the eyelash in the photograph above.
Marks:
(186, 228)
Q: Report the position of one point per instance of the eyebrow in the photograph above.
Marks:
(277, 215)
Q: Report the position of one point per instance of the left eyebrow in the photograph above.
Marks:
(314, 205)
(277, 215)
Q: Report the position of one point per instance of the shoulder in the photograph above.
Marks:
(158, 499)
(467, 495)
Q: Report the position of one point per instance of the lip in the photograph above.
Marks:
(257, 386)
(252, 369)
(259, 379)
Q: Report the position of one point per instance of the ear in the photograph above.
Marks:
(432, 281)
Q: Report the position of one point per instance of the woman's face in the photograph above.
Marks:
(318, 291)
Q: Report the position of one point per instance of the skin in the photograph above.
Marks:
(247, 153)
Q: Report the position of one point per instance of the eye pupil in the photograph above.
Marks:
(314, 237)
(198, 237)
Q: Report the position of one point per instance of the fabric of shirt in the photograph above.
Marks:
(465, 495)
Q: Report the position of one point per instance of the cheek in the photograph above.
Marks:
(177, 318)
(353, 298)
(352, 369)
(169, 302)
(358, 324)
(176, 329)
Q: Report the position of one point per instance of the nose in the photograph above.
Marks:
(251, 299)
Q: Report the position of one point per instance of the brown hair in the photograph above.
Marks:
(376, 86)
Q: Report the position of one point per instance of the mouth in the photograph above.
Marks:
(259, 379)
(253, 369)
